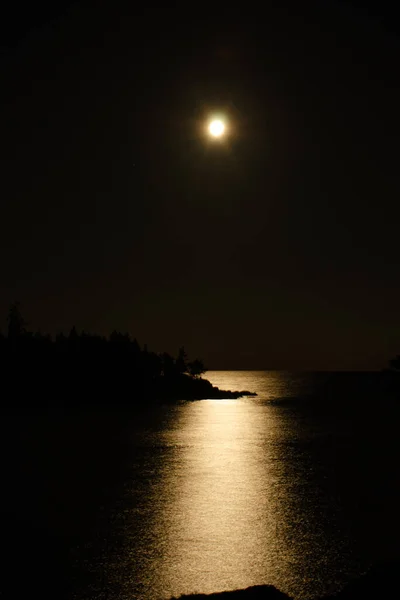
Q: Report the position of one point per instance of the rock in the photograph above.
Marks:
(257, 592)
(380, 583)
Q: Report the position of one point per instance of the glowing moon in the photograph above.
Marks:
(216, 128)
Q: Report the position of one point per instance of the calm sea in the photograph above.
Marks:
(298, 487)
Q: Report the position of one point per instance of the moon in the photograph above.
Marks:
(216, 128)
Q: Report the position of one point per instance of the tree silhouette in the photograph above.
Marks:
(196, 368)
(16, 324)
(180, 363)
(82, 367)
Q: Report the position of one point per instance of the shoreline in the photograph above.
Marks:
(379, 582)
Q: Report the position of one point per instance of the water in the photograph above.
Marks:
(297, 487)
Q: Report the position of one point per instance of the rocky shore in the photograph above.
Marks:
(379, 583)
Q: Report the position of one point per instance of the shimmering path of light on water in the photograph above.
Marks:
(237, 514)
(223, 499)
(225, 494)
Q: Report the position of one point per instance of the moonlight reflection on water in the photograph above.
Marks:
(226, 494)
(222, 506)
(231, 503)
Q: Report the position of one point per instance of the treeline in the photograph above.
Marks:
(119, 346)
(87, 365)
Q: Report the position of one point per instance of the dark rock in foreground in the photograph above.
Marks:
(257, 592)
(381, 582)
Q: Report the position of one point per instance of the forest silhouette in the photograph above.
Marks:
(86, 368)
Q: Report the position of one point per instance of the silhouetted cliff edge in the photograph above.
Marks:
(379, 583)
(87, 369)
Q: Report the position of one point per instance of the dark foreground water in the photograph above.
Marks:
(298, 488)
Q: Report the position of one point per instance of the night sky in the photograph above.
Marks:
(277, 248)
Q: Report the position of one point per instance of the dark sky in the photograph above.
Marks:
(276, 249)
